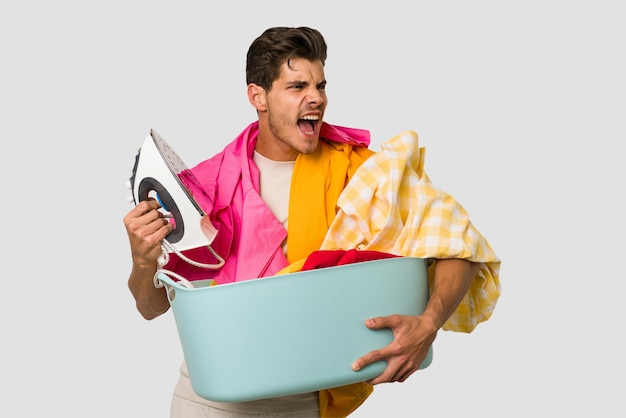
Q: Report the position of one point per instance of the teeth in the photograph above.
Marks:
(311, 117)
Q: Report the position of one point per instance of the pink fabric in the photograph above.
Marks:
(249, 235)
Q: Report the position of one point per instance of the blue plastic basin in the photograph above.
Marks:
(292, 333)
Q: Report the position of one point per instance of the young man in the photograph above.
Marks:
(258, 179)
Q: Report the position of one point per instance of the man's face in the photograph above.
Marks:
(294, 111)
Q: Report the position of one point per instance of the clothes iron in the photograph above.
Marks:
(160, 173)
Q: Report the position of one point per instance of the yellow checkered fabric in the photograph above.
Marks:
(391, 205)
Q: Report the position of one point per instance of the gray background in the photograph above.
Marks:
(520, 106)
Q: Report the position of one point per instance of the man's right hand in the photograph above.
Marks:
(146, 227)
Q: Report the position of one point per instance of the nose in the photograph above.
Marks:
(315, 96)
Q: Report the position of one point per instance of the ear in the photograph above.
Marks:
(257, 97)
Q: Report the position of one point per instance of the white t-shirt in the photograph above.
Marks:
(275, 184)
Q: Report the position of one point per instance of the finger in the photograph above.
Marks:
(395, 371)
(388, 375)
(385, 353)
(402, 370)
(381, 322)
(147, 213)
(160, 225)
(147, 205)
(402, 377)
(150, 229)
(369, 358)
(140, 210)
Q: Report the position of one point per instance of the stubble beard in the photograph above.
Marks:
(280, 130)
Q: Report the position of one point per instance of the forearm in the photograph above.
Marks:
(150, 300)
(452, 280)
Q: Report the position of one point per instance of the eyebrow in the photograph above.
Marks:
(292, 82)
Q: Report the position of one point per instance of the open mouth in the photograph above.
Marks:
(308, 124)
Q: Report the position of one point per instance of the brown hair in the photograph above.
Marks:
(279, 44)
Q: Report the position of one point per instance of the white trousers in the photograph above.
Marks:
(187, 404)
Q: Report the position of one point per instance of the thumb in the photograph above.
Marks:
(380, 322)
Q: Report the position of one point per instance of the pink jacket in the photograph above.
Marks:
(249, 235)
